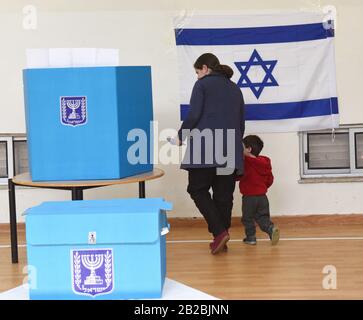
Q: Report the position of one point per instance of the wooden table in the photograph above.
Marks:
(76, 188)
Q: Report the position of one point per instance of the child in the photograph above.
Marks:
(253, 186)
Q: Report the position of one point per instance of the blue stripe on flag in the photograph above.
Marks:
(279, 111)
(240, 36)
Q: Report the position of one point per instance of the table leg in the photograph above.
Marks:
(13, 225)
(80, 194)
(142, 189)
(77, 193)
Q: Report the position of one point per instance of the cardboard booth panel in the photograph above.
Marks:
(78, 121)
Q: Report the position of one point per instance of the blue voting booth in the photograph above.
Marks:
(78, 121)
(97, 249)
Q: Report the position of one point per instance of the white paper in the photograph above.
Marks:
(84, 57)
(60, 57)
(71, 57)
(107, 57)
(37, 58)
(173, 290)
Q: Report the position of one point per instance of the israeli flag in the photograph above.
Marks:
(283, 63)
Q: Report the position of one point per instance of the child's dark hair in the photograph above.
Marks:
(253, 142)
(212, 62)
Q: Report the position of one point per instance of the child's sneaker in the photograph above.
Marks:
(274, 234)
(250, 240)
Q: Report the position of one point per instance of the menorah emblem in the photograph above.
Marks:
(73, 110)
(93, 262)
(92, 271)
(74, 105)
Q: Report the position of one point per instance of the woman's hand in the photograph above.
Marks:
(174, 141)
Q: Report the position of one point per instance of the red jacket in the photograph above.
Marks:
(257, 176)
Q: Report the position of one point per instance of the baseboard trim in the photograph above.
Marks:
(297, 220)
(5, 227)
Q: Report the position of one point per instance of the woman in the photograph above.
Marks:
(214, 128)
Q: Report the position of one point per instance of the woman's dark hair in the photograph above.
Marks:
(253, 142)
(212, 62)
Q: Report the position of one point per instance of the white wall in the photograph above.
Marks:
(143, 32)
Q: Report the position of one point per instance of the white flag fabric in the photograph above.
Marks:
(283, 63)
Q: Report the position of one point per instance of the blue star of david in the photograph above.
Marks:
(256, 87)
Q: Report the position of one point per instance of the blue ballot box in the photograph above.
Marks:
(80, 122)
(97, 249)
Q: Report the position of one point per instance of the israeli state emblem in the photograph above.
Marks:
(92, 271)
(73, 111)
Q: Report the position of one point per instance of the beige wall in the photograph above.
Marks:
(143, 32)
